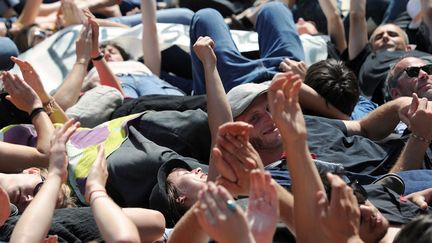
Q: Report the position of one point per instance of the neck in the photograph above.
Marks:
(269, 156)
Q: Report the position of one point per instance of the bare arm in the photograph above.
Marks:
(426, 6)
(113, 224)
(358, 38)
(286, 112)
(150, 42)
(29, 13)
(335, 26)
(218, 109)
(35, 222)
(313, 101)
(381, 122)
(182, 228)
(419, 117)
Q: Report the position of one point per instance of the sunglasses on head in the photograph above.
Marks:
(38, 186)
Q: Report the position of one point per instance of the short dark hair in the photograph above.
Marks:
(335, 82)
(177, 210)
(122, 51)
(419, 230)
(21, 38)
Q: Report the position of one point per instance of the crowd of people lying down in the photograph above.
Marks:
(322, 135)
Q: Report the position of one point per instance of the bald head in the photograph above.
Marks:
(389, 37)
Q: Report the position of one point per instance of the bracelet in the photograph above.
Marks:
(49, 107)
(99, 196)
(91, 193)
(420, 138)
(99, 57)
(36, 111)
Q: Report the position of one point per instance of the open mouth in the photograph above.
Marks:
(271, 130)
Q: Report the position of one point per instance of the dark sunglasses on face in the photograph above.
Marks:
(413, 72)
(38, 186)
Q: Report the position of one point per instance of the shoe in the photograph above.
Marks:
(392, 182)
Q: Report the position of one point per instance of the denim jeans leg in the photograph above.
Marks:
(231, 64)
(277, 34)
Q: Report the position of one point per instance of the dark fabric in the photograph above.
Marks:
(9, 114)
(372, 69)
(328, 141)
(155, 139)
(389, 203)
(69, 224)
(224, 7)
(160, 103)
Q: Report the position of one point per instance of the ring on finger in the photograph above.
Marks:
(231, 205)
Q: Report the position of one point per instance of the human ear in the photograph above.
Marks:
(32, 170)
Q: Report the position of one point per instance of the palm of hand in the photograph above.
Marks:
(262, 219)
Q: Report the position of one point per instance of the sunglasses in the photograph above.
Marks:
(38, 186)
(413, 72)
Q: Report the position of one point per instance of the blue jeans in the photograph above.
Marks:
(135, 86)
(171, 15)
(277, 39)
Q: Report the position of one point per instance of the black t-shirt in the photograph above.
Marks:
(69, 224)
(397, 209)
(372, 69)
(328, 141)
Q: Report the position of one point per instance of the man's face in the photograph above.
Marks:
(306, 27)
(373, 225)
(21, 188)
(264, 135)
(188, 183)
(388, 37)
(406, 85)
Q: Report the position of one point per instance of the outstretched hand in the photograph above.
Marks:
(31, 77)
(58, 157)
(263, 206)
(20, 93)
(84, 44)
(421, 198)
(284, 107)
(418, 116)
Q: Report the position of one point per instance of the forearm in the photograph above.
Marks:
(412, 156)
(23, 157)
(29, 13)
(150, 41)
(44, 129)
(35, 222)
(306, 182)
(311, 100)
(49, 8)
(68, 93)
(113, 224)
(427, 16)
(379, 123)
(106, 76)
(335, 26)
(218, 108)
(286, 207)
(358, 37)
(182, 230)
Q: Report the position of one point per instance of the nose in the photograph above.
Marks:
(423, 74)
(197, 170)
(300, 20)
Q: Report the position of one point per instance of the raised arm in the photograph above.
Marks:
(218, 108)
(36, 220)
(113, 224)
(150, 41)
(31, 77)
(419, 117)
(358, 38)
(286, 112)
(335, 27)
(381, 122)
(26, 99)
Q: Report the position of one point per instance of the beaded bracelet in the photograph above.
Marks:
(36, 111)
(420, 138)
